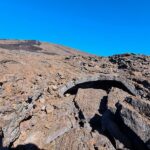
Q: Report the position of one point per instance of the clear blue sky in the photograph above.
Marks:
(102, 27)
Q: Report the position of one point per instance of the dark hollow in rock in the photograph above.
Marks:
(106, 122)
(104, 84)
(1, 138)
(80, 115)
(1, 84)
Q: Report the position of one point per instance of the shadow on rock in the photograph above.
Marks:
(136, 141)
(29, 146)
(113, 127)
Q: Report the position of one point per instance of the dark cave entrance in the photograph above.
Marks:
(104, 84)
(122, 132)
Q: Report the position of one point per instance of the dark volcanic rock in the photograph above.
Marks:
(56, 98)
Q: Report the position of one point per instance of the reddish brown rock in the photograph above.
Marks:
(88, 101)
(56, 98)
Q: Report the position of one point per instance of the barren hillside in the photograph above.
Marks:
(55, 98)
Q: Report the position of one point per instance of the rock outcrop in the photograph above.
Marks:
(56, 98)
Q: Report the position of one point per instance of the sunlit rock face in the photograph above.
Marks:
(56, 98)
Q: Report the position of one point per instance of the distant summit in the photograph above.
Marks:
(38, 47)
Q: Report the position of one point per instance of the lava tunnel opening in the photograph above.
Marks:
(104, 84)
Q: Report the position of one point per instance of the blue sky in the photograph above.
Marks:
(102, 27)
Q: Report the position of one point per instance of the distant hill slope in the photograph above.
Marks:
(38, 47)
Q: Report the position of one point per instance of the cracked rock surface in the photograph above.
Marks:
(56, 98)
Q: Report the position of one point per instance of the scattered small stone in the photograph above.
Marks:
(49, 109)
(67, 95)
(54, 87)
(42, 100)
(43, 108)
(96, 67)
(60, 75)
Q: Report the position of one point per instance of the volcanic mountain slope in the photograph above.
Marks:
(56, 98)
(38, 47)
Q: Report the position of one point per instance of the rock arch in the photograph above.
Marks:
(100, 109)
(96, 81)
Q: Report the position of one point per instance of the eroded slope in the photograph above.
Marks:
(72, 102)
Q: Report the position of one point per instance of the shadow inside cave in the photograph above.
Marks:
(111, 124)
(101, 84)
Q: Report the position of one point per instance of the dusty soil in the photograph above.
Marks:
(56, 98)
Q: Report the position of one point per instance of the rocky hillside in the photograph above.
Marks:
(56, 98)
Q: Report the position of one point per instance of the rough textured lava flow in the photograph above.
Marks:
(56, 98)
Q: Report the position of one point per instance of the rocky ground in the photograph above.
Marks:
(56, 98)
